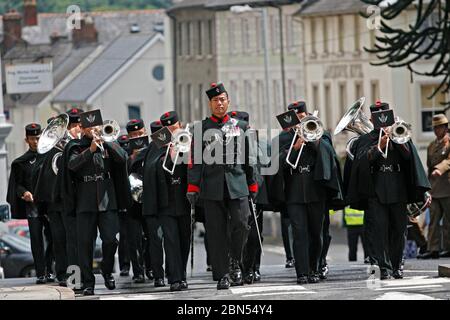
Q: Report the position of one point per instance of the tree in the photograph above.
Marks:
(425, 39)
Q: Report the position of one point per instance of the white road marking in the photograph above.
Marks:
(410, 287)
(253, 289)
(276, 294)
(414, 281)
(404, 296)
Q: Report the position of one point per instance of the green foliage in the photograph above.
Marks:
(60, 6)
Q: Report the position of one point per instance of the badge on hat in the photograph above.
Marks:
(288, 119)
(139, 143)
(91, 119)
(215, 90)
(33, 129)
(383, 118)
(162, 137)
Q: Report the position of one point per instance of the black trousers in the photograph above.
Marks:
(40, 249)
(252, 249)
(124, 250)
(57, 227)
(353, 234)
(389, 227)
(87, 224)
(326, 240)
(70, 223)
(155, 238)
(286, 232)
(146, 245)
(134, 239)
(229, 216)
(177, 241)
(307, 222)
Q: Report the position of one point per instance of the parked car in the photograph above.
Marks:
(15, 256)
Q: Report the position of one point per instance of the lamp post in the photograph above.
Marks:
(5, 129)
(263, 11)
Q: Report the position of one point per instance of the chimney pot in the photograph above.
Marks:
(30, 14)
(12, 29)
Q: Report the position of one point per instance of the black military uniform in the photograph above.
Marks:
(149, 210)
(135, 222)
(45, 193)
(382, 187)
(308, 189)
(224, 186)
(95, 186)
(24, 171)
(173, 212)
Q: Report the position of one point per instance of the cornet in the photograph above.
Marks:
(108, 132)
(309, 129)
(181, 142)
(399, 133)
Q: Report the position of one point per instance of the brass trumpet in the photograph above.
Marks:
(181, 142)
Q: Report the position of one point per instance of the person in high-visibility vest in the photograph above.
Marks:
(354, 221)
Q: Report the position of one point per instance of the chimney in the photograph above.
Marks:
(86, 33)
(12, 29)
(30, 16)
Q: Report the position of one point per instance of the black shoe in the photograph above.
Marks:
(257, 276)
(110, 283)
(313, 278)
(444, 254)
(149, 274)
(41, 280)
(78, 291)
(50, 277)
(290, 263)
(302, 279)
(125, 272)
(429, 255)
(249, 277)
(384, 275)
(88, 292)
(398, 274)
(159, 282)
(208, 268)
(139, 278)
(223, 283)
(236, 274)
(323, 272)
(183, 285)
(62, 282)
(176, 286)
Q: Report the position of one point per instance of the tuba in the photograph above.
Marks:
(309, 129)
(354, 120)
(57, 136)
(137, 187)
(181, 142)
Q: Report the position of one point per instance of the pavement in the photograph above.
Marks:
(346, 281)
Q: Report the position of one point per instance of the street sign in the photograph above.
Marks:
(26, 78)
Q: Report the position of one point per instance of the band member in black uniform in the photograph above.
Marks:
(154, 230)
(172, 207)
(135, 220)
(252, 250)
(224, 184)
(382, 187)
(95, 187)
(308, 189)
(20, 196)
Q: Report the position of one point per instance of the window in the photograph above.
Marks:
(328, 111)
(276, 95)
(289, 32)
(259, 35)
(158, 72)
(181, 103)
(261, 106)
(210, 37)
(275, 27)
(234, 93)
(292, 90)
(200, 101)
(245, 35)
(315, 94)
(430, 107)
(357, 35)
(340, 34)
(231, 36)
(313, 36)
(247, 94)
(191, 38)
(375, 90)
(180, 39)
(342, 97)
(134, 112)
(188, 38)
(189, 100)
(325, 35)
(200, 38)
(358, 90)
